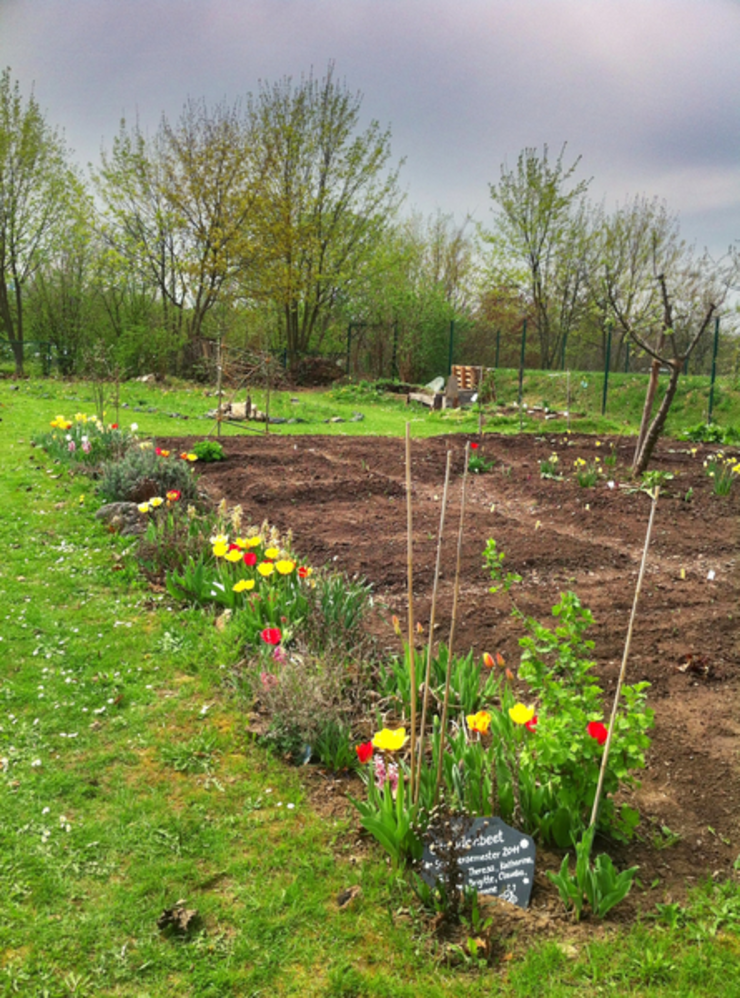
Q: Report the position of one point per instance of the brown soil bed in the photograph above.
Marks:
(344, 500)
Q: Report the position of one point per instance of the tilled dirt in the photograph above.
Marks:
(344, 500)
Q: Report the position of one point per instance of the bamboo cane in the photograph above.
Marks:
(410, 567)
(625, 656)
(427, 677)
(455, 598)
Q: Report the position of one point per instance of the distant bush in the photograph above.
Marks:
(712, 433)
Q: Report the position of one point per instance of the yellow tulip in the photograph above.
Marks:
(272, 553)
(521, 714)
(479, 722)
(266, 568)
(284, 566)
(234, 555)
(390, 741)
(242, 585)
(220, 548)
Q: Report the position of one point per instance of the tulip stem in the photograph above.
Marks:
(427, 677)
(625, 656)
(410, 566)
(456, 594)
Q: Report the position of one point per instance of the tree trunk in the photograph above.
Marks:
(14, 331)
(656, 427)
(647, 412)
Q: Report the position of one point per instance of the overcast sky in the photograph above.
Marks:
(648, 91)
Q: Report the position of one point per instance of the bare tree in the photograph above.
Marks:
(664, 298)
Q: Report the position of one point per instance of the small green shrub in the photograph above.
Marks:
(143, 473)
(209, 450)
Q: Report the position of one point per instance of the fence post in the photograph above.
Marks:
(607, 359)
(562, 352)
(521, 365)
(714, 369)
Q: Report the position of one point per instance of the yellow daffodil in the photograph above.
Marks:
(234, 555)
(266, 568)
(272, 553)
(220, 548)
(156, 501)
(521, 714)
(243, 585)
(390, 741)
(284, 566)
(479, 722)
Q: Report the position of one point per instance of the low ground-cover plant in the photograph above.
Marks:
(146, 472)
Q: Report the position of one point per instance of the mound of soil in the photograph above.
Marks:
(344, 500)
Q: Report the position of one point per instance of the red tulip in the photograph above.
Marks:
(531, 725)
(250, 558)
(364, 752)
(474, 446)
(272, 636)
(598, 731)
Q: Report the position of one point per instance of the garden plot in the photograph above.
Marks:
(344, 500)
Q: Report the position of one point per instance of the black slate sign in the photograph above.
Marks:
(496, 859)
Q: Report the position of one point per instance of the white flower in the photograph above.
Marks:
(134, 427)
(36, 763)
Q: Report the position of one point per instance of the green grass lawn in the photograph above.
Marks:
(128, 783)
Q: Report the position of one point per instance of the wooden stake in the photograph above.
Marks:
(455, 598)
(219, 383)
(410, 568)
(625, 656)
(427, 677)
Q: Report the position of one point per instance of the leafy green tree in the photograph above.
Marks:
(542, 222)
(39, 193)
(327, 198)
(177, 208)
